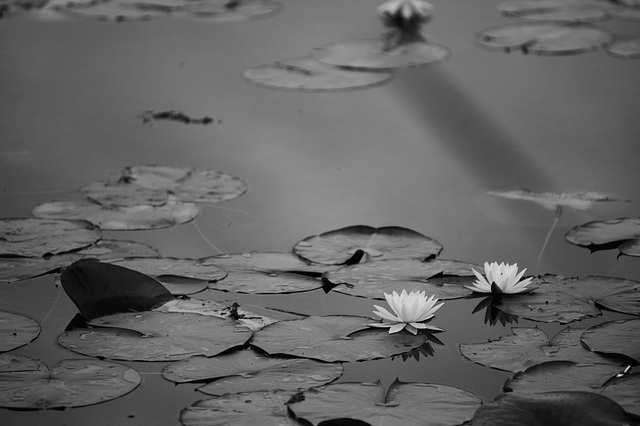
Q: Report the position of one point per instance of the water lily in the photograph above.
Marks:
(500, 278)
(410, 312)
(406, 10)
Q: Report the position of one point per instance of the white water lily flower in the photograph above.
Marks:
(406, 9)
(410, 310)
(500, 279)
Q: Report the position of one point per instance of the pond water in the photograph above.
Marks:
(419, 152)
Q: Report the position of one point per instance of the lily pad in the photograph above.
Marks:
(400, 404)
(154, 336)
(615, 337)
(333, 338)
(553, 200)
(233, 10)
(544, 38)
(17, 330)
(606, 234)
(157, 267)
(372, 55)
(122, 194)
(389, 242)
(39, 237)
(112, 10)
(371, 279)
(529, 346)
(555, 10)
(308, 74)
(141, 216)
(272, 262)
(573, 408)
(248, 371)
(28, 384)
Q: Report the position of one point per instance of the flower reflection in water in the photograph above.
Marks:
(426, 350)
(492, 313)
(410, 310)
(501, 278)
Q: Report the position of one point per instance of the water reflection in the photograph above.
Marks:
(492, 313)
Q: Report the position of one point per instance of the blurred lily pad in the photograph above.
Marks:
(555, 10)
(544, 38)
(333, 338)
(140, 216)
(17, 330)
(233, 10)
(371, 279)
(28, 384)
(553, 200)
(622, 233)
(154, 336)
(400, 404)
(528, 346)
(31, 237)
(113, 10)
(388, 242)
(308, 74)
(248, 371)
(615, 337)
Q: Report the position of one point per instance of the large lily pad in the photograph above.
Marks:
(607, 234)
(389, 242)
(400, 404)
(154, 336)
(248, 371)
(528, 346)
(615, 337)
(371, 279)
(556, 10)
(28, 384)
(17, 330)
(38, 237)
(333, 338)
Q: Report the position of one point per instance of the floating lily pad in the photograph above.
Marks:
(157, 267)
(607, 234)
(625, 9)
(112, 10)
(308, 74)
(389, 242)
(555, 10)
(119, 194)
(553, 200)
(29, 384)
(624, 390)
(333, 338)
(248, 371)
(16, 330)
(371, 279)
(233, 10)
(544, 38)
(400, 404)
(154, 336)
(528, 346)
(272, 262)
(136, 217)
(615, 337)
(573, 408)
(39, 237)
(371, 55)
(254, 408)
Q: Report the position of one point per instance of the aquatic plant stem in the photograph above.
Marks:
(204, 237)
(53, 306)
(546, 240)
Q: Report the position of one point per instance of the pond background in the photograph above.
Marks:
(420, 152)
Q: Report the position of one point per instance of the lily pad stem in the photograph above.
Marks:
(546, 240)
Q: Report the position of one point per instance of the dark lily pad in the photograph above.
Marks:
(38, 237)
(555, 10)
(607, 234)
(544, 38)
(528, 346)
(372, 279)
(17, 330)
(389, 242)
(333, 338)
(112, 10)
(233, 10)
(569, 408)
(28, 384)
(140, 216)
(154, 336)
(308, 74)
(400, 404)
(248, 371)
(615, 337)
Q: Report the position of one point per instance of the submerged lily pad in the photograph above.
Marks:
(544, 38)
(607, 234)
(333, 338)
(248, 371)
(28, 384)
(388, 242)
(615, 337)
(17, 330)
(555, 10)
(400, 404)
(308, 74)
(38, 237)
(233, 10)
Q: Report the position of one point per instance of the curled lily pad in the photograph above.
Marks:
(29, 384)
(17, 330)
(308, 74)
(606, 234)
(555, 10)
(154, 336)
(31, 237)
(389, 242)
(333, 338)
(233, 10)
(248, 371)
(401, 403)
(615, 337)
(544, 38)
